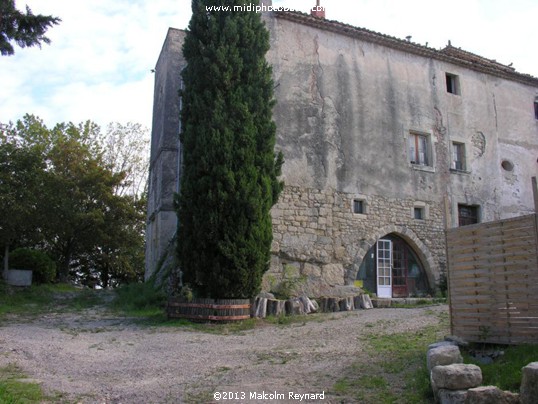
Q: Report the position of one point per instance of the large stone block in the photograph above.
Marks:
(19, 277)
(456, 377)
(364, 302)
(333, 274)
(451, 396)
(312, 270)
(529, 384)
(443, 355)
(441, 343)
(491, 395)
(456, 340)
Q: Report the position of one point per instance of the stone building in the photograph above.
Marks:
(386, 143)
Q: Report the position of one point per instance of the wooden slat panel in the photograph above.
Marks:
(493, 280)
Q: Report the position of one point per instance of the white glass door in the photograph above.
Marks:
(384, 268)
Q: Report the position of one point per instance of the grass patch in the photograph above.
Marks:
(366, 389)
(418, 303)
(14, 389)
(396, 371)
(505, 371)
(142, 301)
(400, 350)
(39, 299)
(291, 320)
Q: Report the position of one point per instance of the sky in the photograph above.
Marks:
(98, 65)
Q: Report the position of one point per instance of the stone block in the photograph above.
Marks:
(19, 277)
(347, 304)
(333, 274)
(443, 355)
(457, 340)
(456, 377)
(261, 307)
(365, 302)
(294, 307)
(491, 395)
(311, 270)
(276, 307)
(310, 306)
(441, 343)
(451, 396)
(529, 384)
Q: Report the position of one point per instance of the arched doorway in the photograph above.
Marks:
(391, 268)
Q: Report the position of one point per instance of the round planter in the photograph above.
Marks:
(220, 310)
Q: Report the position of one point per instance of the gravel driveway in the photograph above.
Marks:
(94, 357)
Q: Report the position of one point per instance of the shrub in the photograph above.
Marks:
(291, 284)
(43, 267)
(139, 297)
(229, 178)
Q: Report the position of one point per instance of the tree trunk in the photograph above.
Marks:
(6, 262)
(63, 273)
(104, 276)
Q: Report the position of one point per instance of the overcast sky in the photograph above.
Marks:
(99, 63)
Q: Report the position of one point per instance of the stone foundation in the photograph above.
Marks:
(316, 232)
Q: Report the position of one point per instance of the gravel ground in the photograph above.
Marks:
(95, 357)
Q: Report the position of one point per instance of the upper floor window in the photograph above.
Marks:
(468, 214)
(452, 84)
(536, 108)
(458, 156)
(420, 149)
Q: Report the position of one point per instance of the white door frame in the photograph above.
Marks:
(384, 268)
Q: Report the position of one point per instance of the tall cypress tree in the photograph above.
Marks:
(230, 170)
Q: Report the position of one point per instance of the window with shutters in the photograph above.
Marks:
(420, 149)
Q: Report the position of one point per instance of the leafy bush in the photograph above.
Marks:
(43, 267)
(442, 286)
(139, 297)
(290, 285)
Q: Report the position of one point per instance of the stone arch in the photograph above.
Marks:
(410, 237)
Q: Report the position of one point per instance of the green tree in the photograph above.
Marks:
(229, 176)
(22, 172)
(78, 196)
(126, 150)
(25, 29)
(79, 216)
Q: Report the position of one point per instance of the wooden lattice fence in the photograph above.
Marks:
(493, 281)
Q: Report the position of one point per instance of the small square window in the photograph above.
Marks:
(359, 206)
(458, 156)
(468, 214)
(418, 213)
(452, 84)
(420, 149)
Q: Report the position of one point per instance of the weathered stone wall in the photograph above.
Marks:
(345, 110)
(346, 106)
(165, 151)
(317, 232)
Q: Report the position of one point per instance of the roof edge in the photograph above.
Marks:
(449, 54)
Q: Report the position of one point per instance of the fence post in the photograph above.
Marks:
(535, 194)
